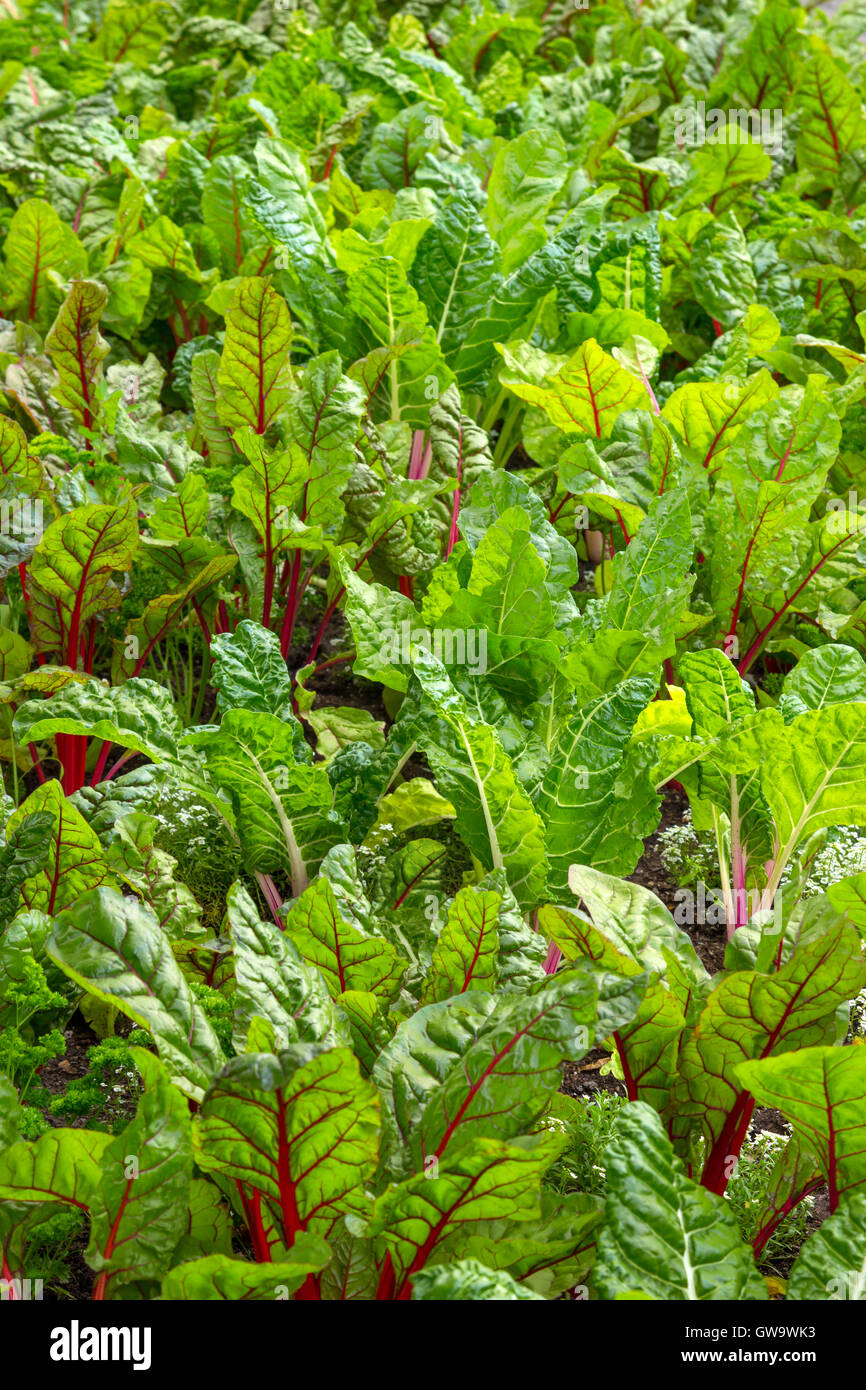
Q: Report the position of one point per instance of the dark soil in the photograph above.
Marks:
(335, 684)
(709, 940)
(586, 583)
(771, 1120)
(583, 1080)
(56, 1074)
(79, 1283)
(820, 1210)
(651, 872)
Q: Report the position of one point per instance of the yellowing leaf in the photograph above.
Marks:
(254, 376)
(588, 393)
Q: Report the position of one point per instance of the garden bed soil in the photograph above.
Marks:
(56, 1074)
(709, 940)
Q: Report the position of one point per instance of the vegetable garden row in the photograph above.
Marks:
(433, 458)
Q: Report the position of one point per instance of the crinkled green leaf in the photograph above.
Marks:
(115, 948)
(75, 862)
(272, 980)
(663, 1235)
(820, 1091)
(347, 958)
(283, 807)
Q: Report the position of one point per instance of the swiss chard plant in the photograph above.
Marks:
(431, 454)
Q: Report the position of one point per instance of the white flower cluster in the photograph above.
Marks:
(843, 855)
(688, 856)
(180, 811)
